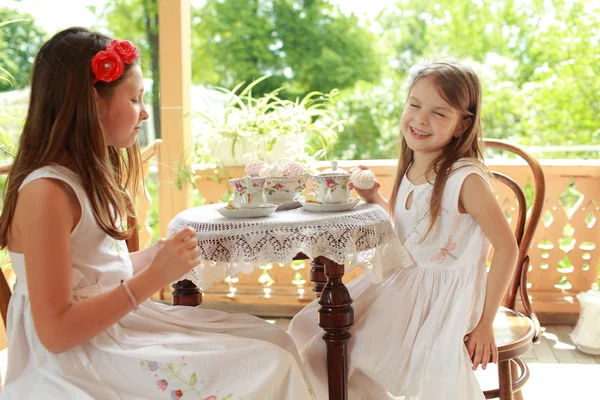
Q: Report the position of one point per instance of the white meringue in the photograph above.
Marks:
(294, 169)
(253, 168)
(270, 171)
(363, 179)
(282, 162)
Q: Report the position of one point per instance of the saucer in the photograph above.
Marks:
(318, 207)
(257, 212)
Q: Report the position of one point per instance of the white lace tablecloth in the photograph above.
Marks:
(362, 237)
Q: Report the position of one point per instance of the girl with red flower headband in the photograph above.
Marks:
(80, 322)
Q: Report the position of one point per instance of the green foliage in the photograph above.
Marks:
(137, 21)
(19, 43)
(372, 114)
(7, 147)
(537, 61)
(310, 45)
(132, 20)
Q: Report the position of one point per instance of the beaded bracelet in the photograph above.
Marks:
(134, 302)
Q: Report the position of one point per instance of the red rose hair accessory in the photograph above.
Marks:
(108, 65)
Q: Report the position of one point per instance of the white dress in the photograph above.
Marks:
(408, 334)
(155, 352)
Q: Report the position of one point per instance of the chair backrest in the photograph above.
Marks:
(525, 226)
(133, 244)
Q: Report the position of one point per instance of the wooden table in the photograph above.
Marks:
(365, 228)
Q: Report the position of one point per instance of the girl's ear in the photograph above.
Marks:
(462, 126)
(100, 102)
(96, 96)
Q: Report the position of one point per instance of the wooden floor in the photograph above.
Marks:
(558, 370)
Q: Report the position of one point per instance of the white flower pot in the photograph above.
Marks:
(251, 149)
(586, 334)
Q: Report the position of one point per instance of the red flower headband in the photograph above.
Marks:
(108, 65)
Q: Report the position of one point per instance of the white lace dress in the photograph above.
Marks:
(407, 339)
(155, 352)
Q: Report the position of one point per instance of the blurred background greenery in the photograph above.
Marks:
(537, 59)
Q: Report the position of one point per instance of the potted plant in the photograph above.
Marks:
(586, 334)
(265, 128)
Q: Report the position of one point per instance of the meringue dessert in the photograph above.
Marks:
(253, 168)
(294, 169)
(282, 163)
(271, 171)
(363, 179)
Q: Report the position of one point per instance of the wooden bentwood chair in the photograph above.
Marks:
(514, 332)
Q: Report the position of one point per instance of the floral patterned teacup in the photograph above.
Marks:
(248, 192)
(331, 188)
(284, 189)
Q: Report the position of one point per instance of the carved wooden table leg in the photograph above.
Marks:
(336, 316)
(317, 275)
(186, 293)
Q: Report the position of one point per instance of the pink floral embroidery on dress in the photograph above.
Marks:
(173, 377)
(445, 252)
(162, 384)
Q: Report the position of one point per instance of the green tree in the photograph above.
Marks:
(19, 43)
(372, 114)
(309, 44)
(137, 21)
(537, 61)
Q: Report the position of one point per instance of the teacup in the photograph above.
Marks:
(331, 188)
(248, 192)
(284, 189)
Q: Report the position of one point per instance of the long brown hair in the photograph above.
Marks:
(62, 127)
(460, 87)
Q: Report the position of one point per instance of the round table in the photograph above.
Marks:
(362, 236)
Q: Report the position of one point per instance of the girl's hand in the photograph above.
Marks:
(368, 195)
(177, 255)
(142, 259)
(155, 247)
(481, 345)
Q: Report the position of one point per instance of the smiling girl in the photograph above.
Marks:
(422, 332)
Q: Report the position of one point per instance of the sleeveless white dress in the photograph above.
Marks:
(155, 352)
(407, 339)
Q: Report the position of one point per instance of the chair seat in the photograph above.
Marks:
(513, 333)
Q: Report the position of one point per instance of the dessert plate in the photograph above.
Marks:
(257, 212)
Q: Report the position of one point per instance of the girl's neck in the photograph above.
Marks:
(423, 161)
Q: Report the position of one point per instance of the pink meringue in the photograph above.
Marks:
(253, 168)
(294, 169)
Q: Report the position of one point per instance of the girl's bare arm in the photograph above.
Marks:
(480, 202)
(44, 219)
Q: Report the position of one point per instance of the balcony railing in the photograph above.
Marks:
(564, 256)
